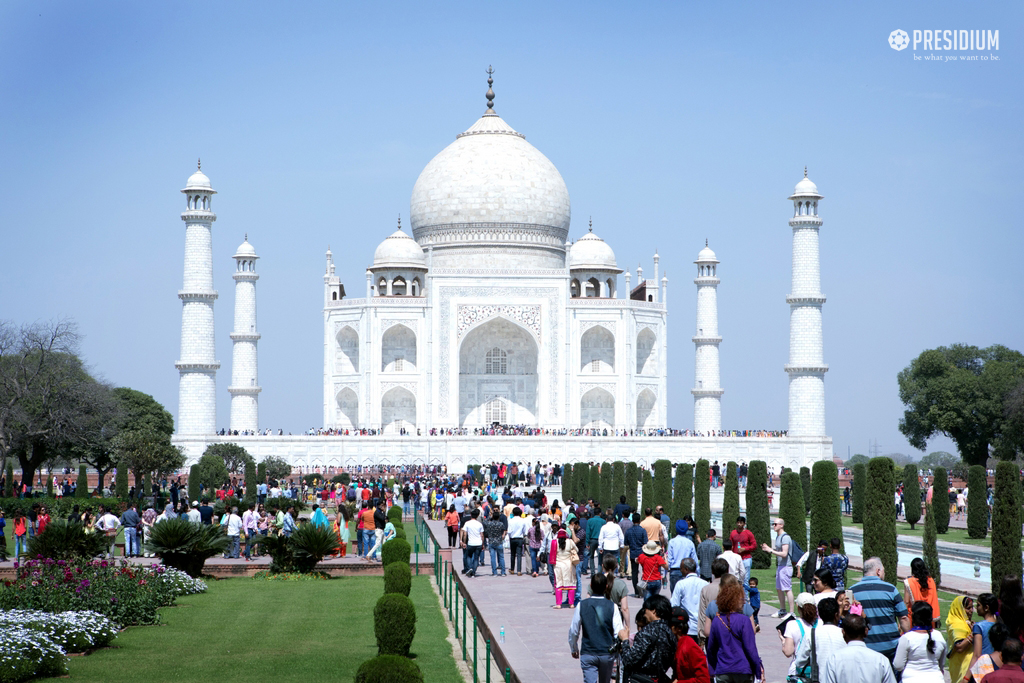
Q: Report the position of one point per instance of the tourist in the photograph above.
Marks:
(20, 534)
(735, 562)
(1011, 605)
(517, 528)
(652, 525)
(452, 521)
(754, 597)
(744, 543)
(651, 563)
(988, 609)
(825, 638)
(884, 609)
(534, 541)
(986, 664)
(856, 663)
(618, 590)
(610, 539)
(625, 523)
(108, 523)
(690, 666)
(1010, 669)
(472, 543)
(707, 552)
(494, 535)
(709, 593)
(593, 525)
(794, 629)
(731, 647)
(921, 652)
(837, 563)
(636, 538)
(678, 548)
(131, 521)
(960, 637)
(564, 557)
(783, 567)
(920, 586)
(599, 622)
(233, 524)
(250, 529)
(824, 585)
(687, 592)
(653, 650)
(380, 520)
(288, 525)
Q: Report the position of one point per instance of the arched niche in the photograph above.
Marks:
(347, 357)
(597, 350)
(597, 409)
(646, 409)
(398, 410)
(398, 349)
(498, 360)
(348, 409)
(646, 355)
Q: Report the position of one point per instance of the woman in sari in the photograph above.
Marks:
(563, 551)
(921, 587)
(958, 632)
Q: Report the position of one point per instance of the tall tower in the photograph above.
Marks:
(197, 383)
(806, 367)
(707, 392)
(244, 387)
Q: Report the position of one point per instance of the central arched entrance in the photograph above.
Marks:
(498, 375)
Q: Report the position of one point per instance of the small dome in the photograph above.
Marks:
(590, 252)
(245, 250)
(198, 181)
(706, 256)
(399, 251)
(805, 188)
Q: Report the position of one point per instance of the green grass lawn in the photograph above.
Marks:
(951, 536)
(245, 630)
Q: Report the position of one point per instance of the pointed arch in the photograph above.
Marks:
(398, 410)
(646, 352)
(348, 409)
(398, 349)
(597, 350)
(646, 410)
(597, 409)
(347, 357)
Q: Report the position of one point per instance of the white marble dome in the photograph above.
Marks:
(198, 181)
(805, 188)
(590, 252)
(706, 256)
(245, 249)
(399, 250)
(490, 177)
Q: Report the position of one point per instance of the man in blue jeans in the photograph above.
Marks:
(600, 622)
(472, 542)
(593, 527)
(494, 532)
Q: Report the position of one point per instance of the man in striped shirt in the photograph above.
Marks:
(884, 610)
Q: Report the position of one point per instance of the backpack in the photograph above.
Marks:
(795, 552)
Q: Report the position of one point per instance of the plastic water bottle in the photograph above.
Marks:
(501, 635)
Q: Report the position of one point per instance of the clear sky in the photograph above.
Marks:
(671, 123)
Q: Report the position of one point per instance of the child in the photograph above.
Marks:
(755, 601)
(20, 534)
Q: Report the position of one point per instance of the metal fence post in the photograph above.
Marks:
(508, 675)
(463, 627)
(416, 553)
(487, 662)
(476, 678)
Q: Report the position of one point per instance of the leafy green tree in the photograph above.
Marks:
(663, 484)
(758, 514)
(647, 492)
(142, 452)
(702, 497)
(1006, 524)
(940, 497)
(961, 391)
(826, 511)
(682, 500)
(857, 459)
(211, 471)
(618, 482)
(594, 483)
(49, 487)
(82, 485)
(234, 456)
(277, 467)
(938, 459)
(731, 499)
(860, 479)
(911, 494)
(805, 482)
(607, 499)
(791, 507)
(977, 502)
(261, 473)
(632, 479)
(193, 483)
(931, 550)
(880, 509)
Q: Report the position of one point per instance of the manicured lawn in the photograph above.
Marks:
(951, 536)
(245, 630)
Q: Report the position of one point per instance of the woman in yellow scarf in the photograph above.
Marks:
(958, 631)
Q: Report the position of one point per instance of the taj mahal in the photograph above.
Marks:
(491, 313)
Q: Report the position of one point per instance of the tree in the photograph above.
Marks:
(261, 473)
(683, 498)
(608, 500)
(139, 412)
(702, 497)
(193, 483)
(826, 511)
(977, 502)
(277, 467)
(647, 492)
(961, 391)
(145, 452)
(731, 499)
(911, 494)
(250, 480)
(663, 484)
(940, 498)
(580, 481)
(632, 478)
(860, 478)
(857, 459)
(121, 485)
(758, 514)
(791, 507)
(566, 481)
(880, 509)
(1006, 523)
(82, 485)
(805, 482)
(938, 459)
(618, 481)
(211, 471)
(931, 550)
(234, 456)
(9, 481)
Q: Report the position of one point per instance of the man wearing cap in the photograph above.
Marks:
(194, 514)
(678, 548)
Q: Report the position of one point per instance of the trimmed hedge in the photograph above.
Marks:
(566, 481)
(580, 481)
(82, 487)
(911, 495)
(1006, 519)
(860, 477)
(702, 497)
(731, 499)
(395, 550)
(940, 500)
(758, 514)
(930, 547)
(394, 624)
(594, 483)
(977, 502)
(398, 578)
(618, 482)
(682, 501)
(632, 478)
(805, 482)
(791, 508)
(647, 493)
(395, 513)
(663, 484)
(389, 669)
(193, 483)
(826, 508)
(607, 500)
(880, 508)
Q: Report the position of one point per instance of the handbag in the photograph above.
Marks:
(574, 556)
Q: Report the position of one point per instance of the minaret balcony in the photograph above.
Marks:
(252, 391)
(805, 300)
(806, 369)
(707, 392)
(707, 340)
(245, 276)
(197, 296)
(245, 336)
(196, 366)
(805, 221)
(193, 216)
(706, 280)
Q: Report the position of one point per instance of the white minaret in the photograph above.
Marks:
(245, 389)
(197, 383)
(806, 365)
(707, 392)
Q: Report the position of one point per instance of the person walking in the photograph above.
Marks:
(564, 557)
(1010, 670)
(825, 639)
(732, 648)
(494, 534)
(131, 521)
(686, 594)
(517, 528)
(837, 563)
(636, 538)
(691, 665)
(884, 609)
(610, 539)
(783, 567)
(472, 542)
(921, 652)
(599, 621)
(679, 547)
(744, 543)
(707, 552)
(534, 540)
(856, 663)
(651, 563)
(108, 523)
(919, 586)
(960, 637)
(653, 649)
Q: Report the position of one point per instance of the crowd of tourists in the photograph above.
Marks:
(515, 430)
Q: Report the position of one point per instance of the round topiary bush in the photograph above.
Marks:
(398, 578)
(394, 624)
(395, 550)
(389, 669)
(400, 533)
(395, 512)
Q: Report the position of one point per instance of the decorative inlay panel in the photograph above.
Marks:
(527, 315)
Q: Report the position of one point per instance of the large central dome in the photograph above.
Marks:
(491, 197)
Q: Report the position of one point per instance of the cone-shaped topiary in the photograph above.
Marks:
(880, 510)
(389, 669)
(594, 483)
(607, 501)
(82, 487)
(395, 550)
(394, 624)
(250, 480)
(826, 512)
(647, 493)
(1006, 519)
(977, 502)
(805, 481)
(663, 484)
(566, 481)
(121, 485)
(758, 514)
(791, 508)
(860, 477)
(911, 495)
(261, 473)
(9, 482)
(731, 499)
(193, 483)
(632, 479)
(931, 550)
(702, 497)
(618, 482)
(940, 500)
(398, 578)
(580, 481)
(682, 499)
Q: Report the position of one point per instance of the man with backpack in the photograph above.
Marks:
(784, 549)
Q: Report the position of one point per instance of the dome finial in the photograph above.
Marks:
(199, 164)
(490, 92)
(246, 237)
(805, 171)
(591, 224)
(399, 221)
(705, 241)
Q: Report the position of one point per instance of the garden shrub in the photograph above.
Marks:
(930, 546)
(606, 495)
(120, 485)
(860, 478)
(580, 481)
(632, 479)
(880, 508)
(394, 624)
(282, 503)
(59, 508)
(826, 511)
(310, 544)
(261, 472)
(663, 484)
(730, 499)
(647, 493)
(395, 513)
(977, 502)
(566, 481)
(758, 513)
(791, 508)
(186, 546)
(194, 490)
(911, 495)
(618, 482)
(28, 653)
(702, 497)
(82, 486)
(400, 533)
(280, 550)
(682, 498)
(594, 483)
(72, 631)
(805, 483)
(398, 578)
(389, 669)
(940, 494)
(395, 550)
(63, 540)
(1006, 519)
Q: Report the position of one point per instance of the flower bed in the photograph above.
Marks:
(72, 631)
(180, 582)
(27, 653)
(266, 575)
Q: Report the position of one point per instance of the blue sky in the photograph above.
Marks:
(670, 122)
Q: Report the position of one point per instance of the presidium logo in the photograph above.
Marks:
(947, 40)
(898, 40)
